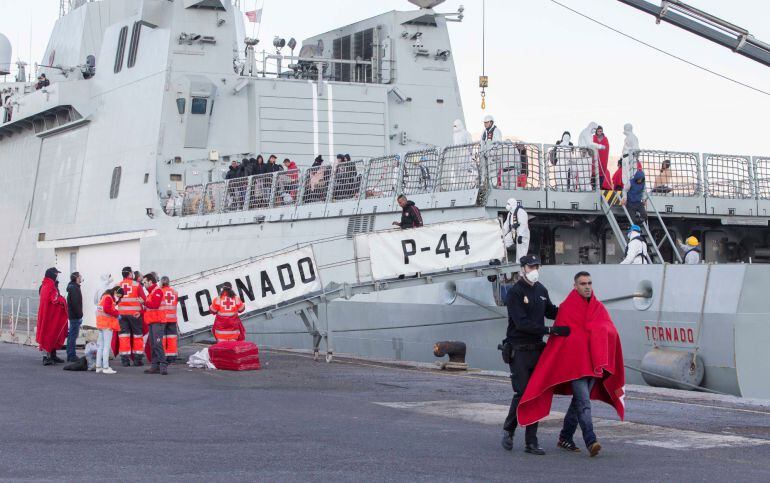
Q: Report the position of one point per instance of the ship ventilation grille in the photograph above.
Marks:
(360, 224)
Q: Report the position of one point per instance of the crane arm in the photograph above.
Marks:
(705, 25)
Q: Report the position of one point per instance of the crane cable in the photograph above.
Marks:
(483, 80)
(693, 64)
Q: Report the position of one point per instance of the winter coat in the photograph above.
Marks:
(74, 301)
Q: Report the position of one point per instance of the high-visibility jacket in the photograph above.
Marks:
(227, 324)
(227, 306)
(161, 306)
(133, 298)
(107, 314)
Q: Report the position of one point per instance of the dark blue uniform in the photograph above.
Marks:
(528, 306)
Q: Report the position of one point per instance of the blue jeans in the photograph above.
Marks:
(72, 336)
(579, 412)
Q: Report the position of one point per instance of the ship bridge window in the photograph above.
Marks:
(134, 48)
(121, 49)
(198, 105)
(115, 184)
(180, 104)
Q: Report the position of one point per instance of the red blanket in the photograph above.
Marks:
(51, 318)
(591, 350)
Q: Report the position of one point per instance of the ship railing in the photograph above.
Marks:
(192, 201)
(346, 180)
(216, 197)
(728, 176)
(762, 177)
(259, 191)
(315, 183)
(570, 168)
(16, 320)
(382, 177)
(459, 168)
(419, 172)
(515, 165)
(285, 187)
(670, 173)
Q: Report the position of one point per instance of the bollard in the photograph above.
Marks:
(456, 352)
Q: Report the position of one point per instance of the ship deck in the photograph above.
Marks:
(351, 420)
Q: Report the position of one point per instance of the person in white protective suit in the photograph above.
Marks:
(516, 228)
(561, 161)
(583, 167)
(636, 249)
(630, 146)
(464, 168)
(105, 283)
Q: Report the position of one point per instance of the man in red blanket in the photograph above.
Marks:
(588, 364)
(51, 318)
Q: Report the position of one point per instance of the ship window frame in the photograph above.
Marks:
(121, 49)
(133, 49)
(195, 106)
(115, 183)
(181, 104)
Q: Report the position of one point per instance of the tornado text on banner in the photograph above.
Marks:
(434, 247)
(259, 283)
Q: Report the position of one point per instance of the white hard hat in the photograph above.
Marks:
(511, 204)
(489, 118)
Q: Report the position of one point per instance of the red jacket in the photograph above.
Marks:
(293, 171)
(617, 179)
(604, 156)
(591, 350)
(51, 317)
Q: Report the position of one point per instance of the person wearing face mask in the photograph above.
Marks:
(584, 167)
(516, 228)
(528, 305)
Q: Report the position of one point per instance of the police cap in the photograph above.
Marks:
(529, 260)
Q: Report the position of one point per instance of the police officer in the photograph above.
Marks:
(528, 306)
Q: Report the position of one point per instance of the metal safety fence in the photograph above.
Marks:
(515, 165)
(570, 168)
(459, 168)
(346, 180)
(762, 177)
(286, 187)
(381, 180)
(670, 173)
(420, 171)
(728, 176)
(315, 184)
(260, 191)
(192, 200)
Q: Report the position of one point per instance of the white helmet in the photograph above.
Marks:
(511, 204)
(489, 118)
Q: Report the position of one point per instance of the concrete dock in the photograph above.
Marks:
(351, 420)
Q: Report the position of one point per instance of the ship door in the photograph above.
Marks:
(195, 103)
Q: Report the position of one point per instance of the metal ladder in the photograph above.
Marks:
(312, 307)
(621, 239)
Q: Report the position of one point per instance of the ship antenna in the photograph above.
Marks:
(483, 79)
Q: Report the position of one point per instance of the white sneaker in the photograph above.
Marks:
(98, 370)
(109, 370)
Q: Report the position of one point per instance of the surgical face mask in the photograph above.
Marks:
(533, 276)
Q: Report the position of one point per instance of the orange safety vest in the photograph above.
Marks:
(166, 312)
(227, 306)
(105, 320)
(131, 303)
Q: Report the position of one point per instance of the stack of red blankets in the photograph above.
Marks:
(235, 355)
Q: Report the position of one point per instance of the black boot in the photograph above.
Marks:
(47, 361)
(125, 361)
(163, 371)
(507, 441)
(56, 358)
(138, 360)
(534, 448)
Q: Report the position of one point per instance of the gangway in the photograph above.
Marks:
(607, 205)
(312, 308)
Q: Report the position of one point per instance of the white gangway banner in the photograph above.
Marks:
(259, 283)
(433, 248)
